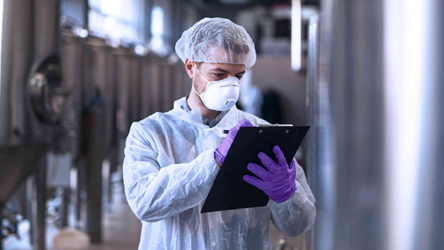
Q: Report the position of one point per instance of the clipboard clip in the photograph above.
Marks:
(274, 125)
(266, 125)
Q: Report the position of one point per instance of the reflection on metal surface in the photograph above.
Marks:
(47, 92)
(296, 35)
(282, 244)
(81, 32)
(319, 148)
(404, 89)
(313, 112)
(140, 50)
(415, 139)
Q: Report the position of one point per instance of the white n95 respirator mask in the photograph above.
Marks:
(220, 95)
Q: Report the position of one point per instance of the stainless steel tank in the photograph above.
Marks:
(133, 87)
(30, 43)
(375, 91)
(347, 144)
(32, 96)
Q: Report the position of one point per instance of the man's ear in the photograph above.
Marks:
(189, 68)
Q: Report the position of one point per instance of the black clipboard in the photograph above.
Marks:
(229, 190)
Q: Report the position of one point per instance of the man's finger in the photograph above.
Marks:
(268, 162)
(243, 123)
(255, 182)
(292, 164)
(258, 170)
(280, 157)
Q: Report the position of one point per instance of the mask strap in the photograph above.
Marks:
(193, 85)
(201, 97)
(197, 93)
(198, 71)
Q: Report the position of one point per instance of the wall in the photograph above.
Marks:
(276, 73)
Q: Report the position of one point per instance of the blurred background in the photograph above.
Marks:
(365, 75)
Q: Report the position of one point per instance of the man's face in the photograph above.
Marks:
(215, 72)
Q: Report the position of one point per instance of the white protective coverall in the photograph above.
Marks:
(168, 170)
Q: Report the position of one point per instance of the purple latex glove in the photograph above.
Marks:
(221, 152)
(279, 181)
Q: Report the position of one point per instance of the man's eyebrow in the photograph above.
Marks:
(221, 70)
(224, 71)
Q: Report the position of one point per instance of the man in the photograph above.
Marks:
(172, 158)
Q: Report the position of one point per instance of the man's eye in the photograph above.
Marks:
(218, 74)
(239, 77)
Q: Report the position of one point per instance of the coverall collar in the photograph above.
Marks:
(206, 121)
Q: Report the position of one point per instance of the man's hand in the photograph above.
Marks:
(221, 152)
(279, 182)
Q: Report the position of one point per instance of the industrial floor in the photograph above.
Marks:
(121, 230)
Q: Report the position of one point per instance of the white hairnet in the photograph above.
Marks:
(217, 40)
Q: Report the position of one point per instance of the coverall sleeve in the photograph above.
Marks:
(156, 193)
(297, 214)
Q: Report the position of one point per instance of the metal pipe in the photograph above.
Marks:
(39, 207)
(29, 205)
(1, 226)
(95, 148)
(312, 103)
